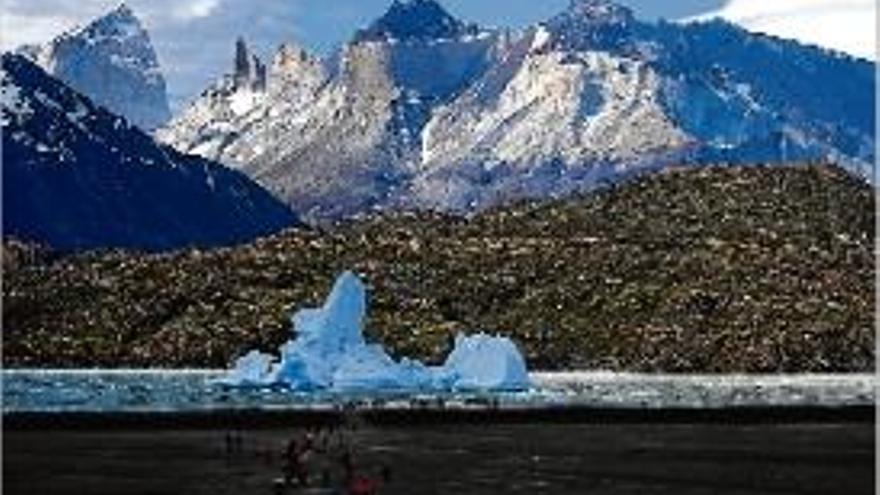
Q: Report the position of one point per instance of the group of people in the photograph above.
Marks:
(324, 448)
(319, 459)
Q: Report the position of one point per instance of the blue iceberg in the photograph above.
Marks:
(329, 353)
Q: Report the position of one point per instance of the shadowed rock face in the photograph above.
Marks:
(112, 61)
(78, 177)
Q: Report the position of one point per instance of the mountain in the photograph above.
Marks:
(421, 110)
(112, 61)
(719, 269)
(76, 176)
(414, 20)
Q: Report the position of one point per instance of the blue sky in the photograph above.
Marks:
(194, 38)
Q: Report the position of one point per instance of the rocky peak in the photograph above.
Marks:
(120, 25)
(249, 71)
(601, 11)
(593, 25)
(290, 59)
(111, 60)
(414, 20)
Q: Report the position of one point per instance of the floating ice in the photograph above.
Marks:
(329, 353)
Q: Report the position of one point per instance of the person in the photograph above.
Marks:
(291, 450)
(362, 485)
(292, 466)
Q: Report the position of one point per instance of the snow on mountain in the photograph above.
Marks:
(113, 62)
(78, 177)
(848, 26)
(252, 95)
(423, 110)
(336, 137)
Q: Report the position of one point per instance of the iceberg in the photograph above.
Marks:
(329, 353)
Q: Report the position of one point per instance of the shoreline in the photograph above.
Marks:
(432, 416)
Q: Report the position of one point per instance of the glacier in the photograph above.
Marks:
(329, 353)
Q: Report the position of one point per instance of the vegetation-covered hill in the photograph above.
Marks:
(712, 270)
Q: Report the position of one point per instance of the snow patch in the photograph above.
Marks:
(541, 39)
(243, 101)
(11, 101)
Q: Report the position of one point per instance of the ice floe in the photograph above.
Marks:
(329, 352)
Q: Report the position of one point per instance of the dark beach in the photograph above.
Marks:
(753, 451)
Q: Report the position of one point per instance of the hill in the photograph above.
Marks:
(76, 176)
(740, 269)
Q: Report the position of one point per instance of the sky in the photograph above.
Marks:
(195, 38)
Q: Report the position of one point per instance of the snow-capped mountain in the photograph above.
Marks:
(338, 137)
(253, 94)
(112, 61)
(76, 176)
(423, 110)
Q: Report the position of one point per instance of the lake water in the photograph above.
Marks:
(185, 391)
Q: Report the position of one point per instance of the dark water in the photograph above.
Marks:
(460, 459)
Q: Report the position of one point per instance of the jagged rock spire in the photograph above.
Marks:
(249, 72)
(242, 74)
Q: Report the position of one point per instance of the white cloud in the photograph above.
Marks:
(196, 9)
(848, 26)
(37, 21)
(17, 29)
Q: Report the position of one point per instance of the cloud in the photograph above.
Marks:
(196, 9)
(844, 25)
(37, 21)
(17, 29)
(195, 38)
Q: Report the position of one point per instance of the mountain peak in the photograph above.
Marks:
(112, 61)
(408, 20)
(123, 10)
(593, 25)
(601, 11)
(120, 22)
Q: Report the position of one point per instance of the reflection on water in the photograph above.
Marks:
(180, 390)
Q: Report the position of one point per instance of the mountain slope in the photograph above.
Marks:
(727, 269)
(112, 61)
(421, 110)
(76, 176)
